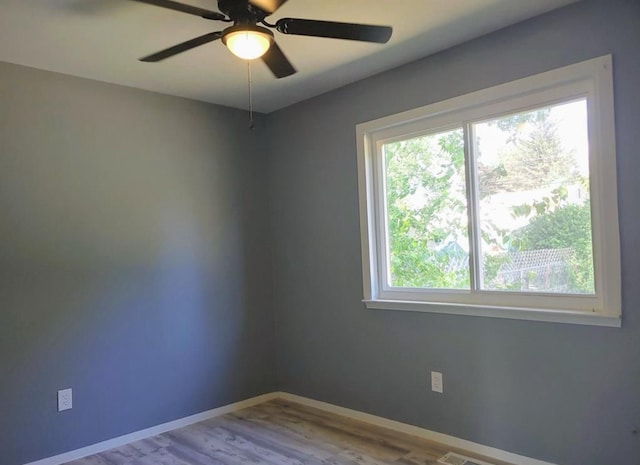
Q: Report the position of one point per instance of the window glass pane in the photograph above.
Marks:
(426, 213)
(534, 207)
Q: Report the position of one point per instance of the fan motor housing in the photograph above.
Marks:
(241, 11)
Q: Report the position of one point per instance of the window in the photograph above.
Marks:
(498, 203)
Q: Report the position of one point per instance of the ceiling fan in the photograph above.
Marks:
(247, 40)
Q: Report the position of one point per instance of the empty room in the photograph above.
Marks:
(306, 232)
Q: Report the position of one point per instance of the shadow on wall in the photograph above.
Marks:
(124, 270)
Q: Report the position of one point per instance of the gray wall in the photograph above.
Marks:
(133, 264)
(562, 393)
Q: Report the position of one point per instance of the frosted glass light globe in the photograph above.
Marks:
(248, 44)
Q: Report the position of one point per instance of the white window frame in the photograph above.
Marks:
(591, 79)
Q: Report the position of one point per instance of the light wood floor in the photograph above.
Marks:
(277, 432)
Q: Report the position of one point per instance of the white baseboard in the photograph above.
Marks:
(451, 441)
(153, 431)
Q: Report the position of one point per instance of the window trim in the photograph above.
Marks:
(592, 79)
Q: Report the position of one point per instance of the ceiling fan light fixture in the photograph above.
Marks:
(247, 42)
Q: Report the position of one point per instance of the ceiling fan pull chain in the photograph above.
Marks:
(250, 94)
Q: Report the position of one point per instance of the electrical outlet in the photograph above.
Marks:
(65, 399)
(436, 382)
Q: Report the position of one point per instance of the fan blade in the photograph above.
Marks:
(270, 6)
(277, 62)
(192, 10)
(308, 27)
(183, 47)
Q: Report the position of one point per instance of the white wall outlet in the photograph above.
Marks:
(65, 399)
(436, 382)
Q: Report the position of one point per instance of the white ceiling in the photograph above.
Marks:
(103, 39)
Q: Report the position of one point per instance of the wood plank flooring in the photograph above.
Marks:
(277, 432)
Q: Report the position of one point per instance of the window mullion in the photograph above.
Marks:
(475, 255)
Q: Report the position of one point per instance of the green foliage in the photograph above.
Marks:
(426, 208)
(492, 264)
(540, 207)
(566, 227)
(513, 123)
(427, 223)
(535, 157)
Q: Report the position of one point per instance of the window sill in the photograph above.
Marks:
(550, 316)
